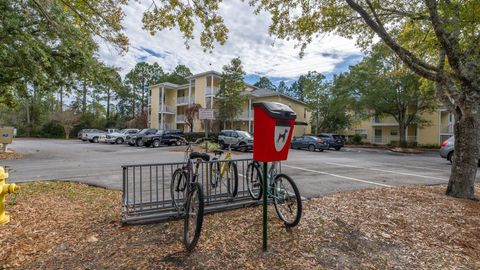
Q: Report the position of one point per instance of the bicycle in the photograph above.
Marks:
(184, 185)
(224, 169)
(282, 189)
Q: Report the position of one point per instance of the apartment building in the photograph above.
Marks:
(385, 130)
(168, 103)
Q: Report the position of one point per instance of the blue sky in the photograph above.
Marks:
(261, 54)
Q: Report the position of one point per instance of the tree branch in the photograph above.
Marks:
(417, 65)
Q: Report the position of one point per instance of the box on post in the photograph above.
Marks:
(273, 127)
(6, 137)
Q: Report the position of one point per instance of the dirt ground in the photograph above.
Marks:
(60, 225)
(10, 154)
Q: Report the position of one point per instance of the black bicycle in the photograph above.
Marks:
(282, 189)
(187, 196)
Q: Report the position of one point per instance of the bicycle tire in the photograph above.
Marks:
(190, 241)
(232, 182)
(214, 175)
(252, 183)
(298, 200)
(177, 188)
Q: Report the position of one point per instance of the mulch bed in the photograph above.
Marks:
(60, 225)
(10, 154)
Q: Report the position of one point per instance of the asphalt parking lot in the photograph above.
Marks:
(316, 173)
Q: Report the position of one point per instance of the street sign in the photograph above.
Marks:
(206, 114)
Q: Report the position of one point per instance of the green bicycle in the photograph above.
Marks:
(282, 189)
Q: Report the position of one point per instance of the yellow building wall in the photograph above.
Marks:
(429, 133)
(155, 101)
(298, 108)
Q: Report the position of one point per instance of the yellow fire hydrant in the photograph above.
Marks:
(4, 190)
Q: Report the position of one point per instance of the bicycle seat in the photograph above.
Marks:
(203, 156)
(218, 152)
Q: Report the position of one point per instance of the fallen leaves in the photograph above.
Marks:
(57, 225)
(10, 154)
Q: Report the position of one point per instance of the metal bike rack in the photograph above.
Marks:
(146, 191)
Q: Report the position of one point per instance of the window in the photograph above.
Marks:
(394, 132)
(362, 132)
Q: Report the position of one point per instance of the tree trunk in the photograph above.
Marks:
(84, 96)
(108, 104)
(61, 98)
(29, 121)
(67, 133)
(143, 96)
(467, 152)
(133, 103)
(402, 134)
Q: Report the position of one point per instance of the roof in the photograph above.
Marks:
(210, 72)
(170, 85)
(261, 92)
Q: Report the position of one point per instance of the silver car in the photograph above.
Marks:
(447, 148)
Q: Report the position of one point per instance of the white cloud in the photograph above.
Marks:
(248, 39)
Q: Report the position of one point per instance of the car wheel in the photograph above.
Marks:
(243, 147)
(178, 143)
(450, 157)
(119, 141)
(95, 139)
(321, 150)
(311, 148)
(90, 141)
(139, 142)
(337, 148)
(156, 143)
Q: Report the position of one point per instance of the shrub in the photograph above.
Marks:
(209, 145)
(194, 136)
(430, 146)
(356, 139)
(52, 130)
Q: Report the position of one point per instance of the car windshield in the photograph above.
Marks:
(143, 131)
(244, 134)
(314, 138)
(337, 137)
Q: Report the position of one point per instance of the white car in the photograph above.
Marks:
(118, 137)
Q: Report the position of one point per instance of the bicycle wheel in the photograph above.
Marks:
(214, 173)
(192, 226)
(178, 188)
(232, 179)
(254, 181)
(287, 201)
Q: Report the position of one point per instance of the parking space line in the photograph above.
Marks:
(388, 171)
(338, 176)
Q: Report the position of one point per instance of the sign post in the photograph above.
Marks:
(206, 115)
(273, 123)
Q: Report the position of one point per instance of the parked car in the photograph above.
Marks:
(311, 143)
(136, 139)
(447, 148)
(90, 131)
(333, 141)
(236, 139)
(94, 135)
(165, 137)
(118, 137)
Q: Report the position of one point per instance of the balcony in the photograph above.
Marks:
(182, 100)
(446, 129)
(169, 109)
(181, 118)
(380, 122)
(245, 116)
(211, 91)
(167, 126)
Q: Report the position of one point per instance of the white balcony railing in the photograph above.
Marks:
(387, 139)
(210, 91)
(167, 108)
(446, 128)
(167, 126)
(182, 100)
(181, 118)
(245, 116)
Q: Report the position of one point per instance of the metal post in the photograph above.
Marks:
(265, 195)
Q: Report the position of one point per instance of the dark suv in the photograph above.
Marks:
(334, 141)
(136, 139)
(168, 137)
